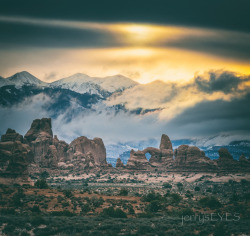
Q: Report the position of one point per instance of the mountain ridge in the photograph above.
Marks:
(79, 82)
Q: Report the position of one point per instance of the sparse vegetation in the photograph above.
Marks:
(124, 207)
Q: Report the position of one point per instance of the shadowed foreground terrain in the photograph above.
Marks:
(103, 204)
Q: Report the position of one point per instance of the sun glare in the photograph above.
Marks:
(139, 34)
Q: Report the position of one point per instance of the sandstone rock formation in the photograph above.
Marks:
(243, 159)
(39, 127)
(11, 135)
(162, 156)
(191, 157)
(165, 142)
(45, 151)
(137, 161)
(226, 161)
(14, 155)
(51, 158)
(84, 145)
(40, 137)
(62, 148)
(119, 163)
(49, 151)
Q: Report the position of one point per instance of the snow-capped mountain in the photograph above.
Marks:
(82, 83)
(116, 83)
(220, 140)
(79, 83)
(3, 82)
(20, 79)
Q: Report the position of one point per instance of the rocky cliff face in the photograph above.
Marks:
(165, 143)
(184, 158)
(84, 146)
(15, 155)
(226, 161)
(137, 161)
(40, 147)
(191, 157)
(47, 151)
(40, 137)
(162, 156)
(11, 135)
(119, 163)
(62, 148)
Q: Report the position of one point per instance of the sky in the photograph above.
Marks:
(164, 40)
(191, 58)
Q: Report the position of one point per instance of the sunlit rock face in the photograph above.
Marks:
(84, 145)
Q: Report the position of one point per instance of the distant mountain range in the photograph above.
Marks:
(79, 83)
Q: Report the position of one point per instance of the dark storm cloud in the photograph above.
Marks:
(213, 117)
(224, 14)
(227, 44)
(32, 35)
(224, 81)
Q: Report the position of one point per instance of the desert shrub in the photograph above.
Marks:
(67, 193)
(35, 209)
(145, 229)
(9, 229)
(44, 174)
(197, 189)
(17, 198)
(220, 230)
(209, 190)
(234, 198)
(246, 196)
(154, 206)
(8, 211)
(41, 183)
(152, 196)
(145, 215)
(37, 220)
(123, 192)
(85, 208)
(62, 213)
(65, 204)
(176, 198)
(179, 185)
(115, 213)
(96, 202)
(167, 185)
(60, 198)
(210, 202)
(187, 212)
(131, 210)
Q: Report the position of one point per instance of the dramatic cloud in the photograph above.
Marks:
(224, 81)
(213, 14)
(144, 51)
(19, 117)
(188, 110)
(175, 98)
